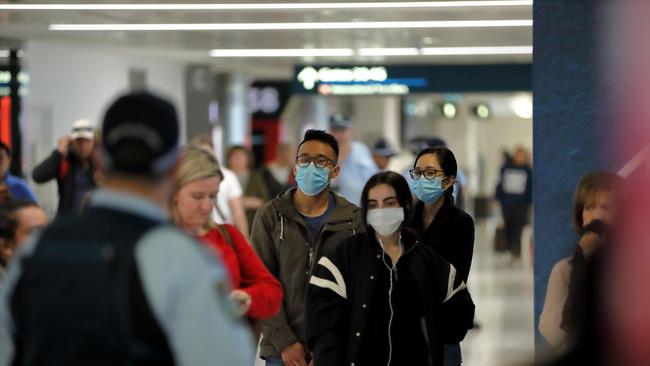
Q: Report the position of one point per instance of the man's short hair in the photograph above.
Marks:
(322, 136)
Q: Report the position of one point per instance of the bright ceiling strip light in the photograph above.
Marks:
(348, 52)
(275, 6)
(462, 51)
(295, 26)
(287, 52)
(388, 52)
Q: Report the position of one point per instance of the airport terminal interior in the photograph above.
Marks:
(386, 79)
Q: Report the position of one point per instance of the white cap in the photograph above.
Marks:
(82, 129)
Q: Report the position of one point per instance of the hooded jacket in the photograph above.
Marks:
(281, 238)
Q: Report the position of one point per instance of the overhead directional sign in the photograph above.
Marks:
(406, 79)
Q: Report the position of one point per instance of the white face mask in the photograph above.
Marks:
(385, 221)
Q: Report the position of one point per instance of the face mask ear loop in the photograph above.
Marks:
(391, 269)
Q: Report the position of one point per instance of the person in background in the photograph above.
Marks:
(241, 161)
(71, 165)
(290, 232)
(229, 208)
(278, 174)
(18, 187)
(257, 292)
(439, 223)
(515, 196)
(5, 194)
(18, 219)
(383, 297)
(595, 206)
(382, 152)
(118, 285)
(357, 164)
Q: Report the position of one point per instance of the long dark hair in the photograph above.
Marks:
(446, 159)
(402, 192)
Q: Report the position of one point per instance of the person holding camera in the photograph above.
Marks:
(71, 165)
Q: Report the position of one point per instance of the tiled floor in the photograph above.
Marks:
(503, 293)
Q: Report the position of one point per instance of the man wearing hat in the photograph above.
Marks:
(357, 166)
(118, 285)
(382, 152)
(71, 165)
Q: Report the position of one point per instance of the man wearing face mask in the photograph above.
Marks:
(290, 232)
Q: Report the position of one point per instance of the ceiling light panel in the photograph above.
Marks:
(270, 6)
(295, 26)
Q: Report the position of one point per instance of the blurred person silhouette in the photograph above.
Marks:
(5, 194)
(438, 222)
(290, 234)
(119, 285)
(18, 220)
(229, 208)
(71, 165)
(398, 310)
(241, 161)
(278, 173)
(255, 290)
(18, 187)
(356, 160)
(595, 208)
(514, 193)
(382, 152)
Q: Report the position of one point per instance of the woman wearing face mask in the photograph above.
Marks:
(256, 291)
(439, 224)
(382, 297)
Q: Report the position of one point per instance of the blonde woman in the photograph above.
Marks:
(256, 290)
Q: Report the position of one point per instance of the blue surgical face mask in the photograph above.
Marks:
(427, 190)
(311, 179)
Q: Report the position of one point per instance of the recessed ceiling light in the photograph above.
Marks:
(427, 40)
(295, 26)
(271, 6)
(7, 53)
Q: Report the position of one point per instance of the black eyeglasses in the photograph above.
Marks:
(320, 161)
(427, 174)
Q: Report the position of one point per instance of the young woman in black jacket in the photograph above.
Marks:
(438, 223)
(384, 298)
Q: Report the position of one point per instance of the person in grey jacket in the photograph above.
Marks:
(290, 233)
(118, 285)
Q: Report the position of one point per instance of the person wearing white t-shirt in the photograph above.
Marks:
(229, 208)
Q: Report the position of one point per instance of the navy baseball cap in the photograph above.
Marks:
(339, 121)
(140, 135)
(383, 148)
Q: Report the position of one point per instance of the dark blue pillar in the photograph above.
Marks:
(567, 123)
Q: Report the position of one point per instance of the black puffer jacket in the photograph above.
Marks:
(344, 283)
